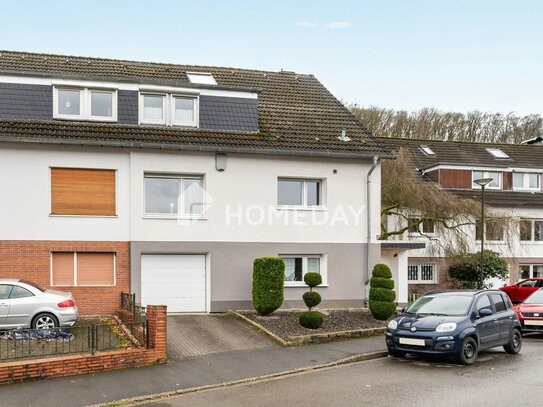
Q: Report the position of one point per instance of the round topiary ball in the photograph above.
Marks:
(312, 299)
(313, 279)
(382, 271)
(311, 319)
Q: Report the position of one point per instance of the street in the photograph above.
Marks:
(496, 379)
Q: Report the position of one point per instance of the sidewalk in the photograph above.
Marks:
(179, 374)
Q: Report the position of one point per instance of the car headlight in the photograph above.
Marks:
(446, 327)
(393, 324)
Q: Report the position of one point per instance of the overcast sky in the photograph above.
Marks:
(405, 54)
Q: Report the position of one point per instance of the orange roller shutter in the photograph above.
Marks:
(82, 191)
(63, 269)
(95, 268)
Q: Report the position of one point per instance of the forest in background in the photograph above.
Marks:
(434, 124)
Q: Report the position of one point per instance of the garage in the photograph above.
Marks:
(176, 280)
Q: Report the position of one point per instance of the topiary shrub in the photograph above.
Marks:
(312, 299)
(381, 271)
(268, 284)
(312, 279)
(311, 319)
(381, 301)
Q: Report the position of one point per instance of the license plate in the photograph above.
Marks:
(533, 322)
(411, 341)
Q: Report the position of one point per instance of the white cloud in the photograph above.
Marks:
(338, 24)
(305, 24)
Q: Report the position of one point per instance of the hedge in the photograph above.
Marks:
(268, 284)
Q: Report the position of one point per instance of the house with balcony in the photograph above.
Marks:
(515, 191)
(168, 181)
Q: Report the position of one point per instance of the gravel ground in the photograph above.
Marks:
(285, 323)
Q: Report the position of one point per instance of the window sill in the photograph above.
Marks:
(56, 215)
(302, 208)
(168, 217)
(298, 285)
(86, 119)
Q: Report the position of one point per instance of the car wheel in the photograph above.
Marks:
(396, 353)
(515, 345)
(468, 353)
(44, 321)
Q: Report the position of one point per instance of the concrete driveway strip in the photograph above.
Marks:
(198, 335)
(179, 374)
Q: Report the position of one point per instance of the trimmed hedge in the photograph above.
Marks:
(377, 282)
(381, 300)
(313, 279)
(311, 319)
(382, 310)
(381, 271)
(268, 284)
(311, 299)
(382, 294)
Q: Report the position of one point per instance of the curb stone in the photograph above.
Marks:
(257, 379)
(312, 338)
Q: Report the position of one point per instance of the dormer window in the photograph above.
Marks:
(494, 184)
(525, 181)
(497, 153)
(169, 109)
(427, 150)
(85, 104)
(201, 78)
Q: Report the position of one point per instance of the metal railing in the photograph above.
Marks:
(37, 343)
(128, 302)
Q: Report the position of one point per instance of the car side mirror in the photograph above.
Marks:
(403, 310)
(485, 312)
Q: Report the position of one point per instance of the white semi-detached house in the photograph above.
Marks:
(515, 191)
(169, 180)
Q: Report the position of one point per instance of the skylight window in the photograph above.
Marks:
(497, 153)
(201, 78)
(427, 150)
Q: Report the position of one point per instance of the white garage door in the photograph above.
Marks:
(178, 281)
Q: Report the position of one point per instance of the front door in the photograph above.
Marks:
(487, 326)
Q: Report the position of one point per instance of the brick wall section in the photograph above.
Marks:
(71, 365)
(30, 259)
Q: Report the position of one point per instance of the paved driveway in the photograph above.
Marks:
(198, 335)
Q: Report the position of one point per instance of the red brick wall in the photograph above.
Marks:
(30, 259)
(71, 365)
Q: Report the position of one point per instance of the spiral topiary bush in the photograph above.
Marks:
(381, 300)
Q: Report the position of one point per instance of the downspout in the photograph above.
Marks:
(368, 223)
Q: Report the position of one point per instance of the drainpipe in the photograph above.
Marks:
(368, 222)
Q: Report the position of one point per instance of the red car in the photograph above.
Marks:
(530, 312)
(523, 289)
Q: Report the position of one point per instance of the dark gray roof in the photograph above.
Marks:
(503, 198)
(470, 154)
(297, 113)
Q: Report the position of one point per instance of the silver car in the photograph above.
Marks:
(24, 304)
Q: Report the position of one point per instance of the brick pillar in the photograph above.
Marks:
(157, 319)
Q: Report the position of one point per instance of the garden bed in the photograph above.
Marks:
(18, 344)
(284, 328)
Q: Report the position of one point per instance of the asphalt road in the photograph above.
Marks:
(496, 379)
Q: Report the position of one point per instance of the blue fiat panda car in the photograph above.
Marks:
(455, 323)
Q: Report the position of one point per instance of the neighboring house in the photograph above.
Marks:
(516, 191)
(169, 180)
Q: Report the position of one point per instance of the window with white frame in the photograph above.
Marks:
(201, 78)
(531, 230)
(494, 184)
(84, 104)
(497, 153)
(299, 193)
(493, 231)
(422, 273)
(174, 196)
(169, 109)
(296, 266)
(530, 271)
(526, 181)
(426, 227)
